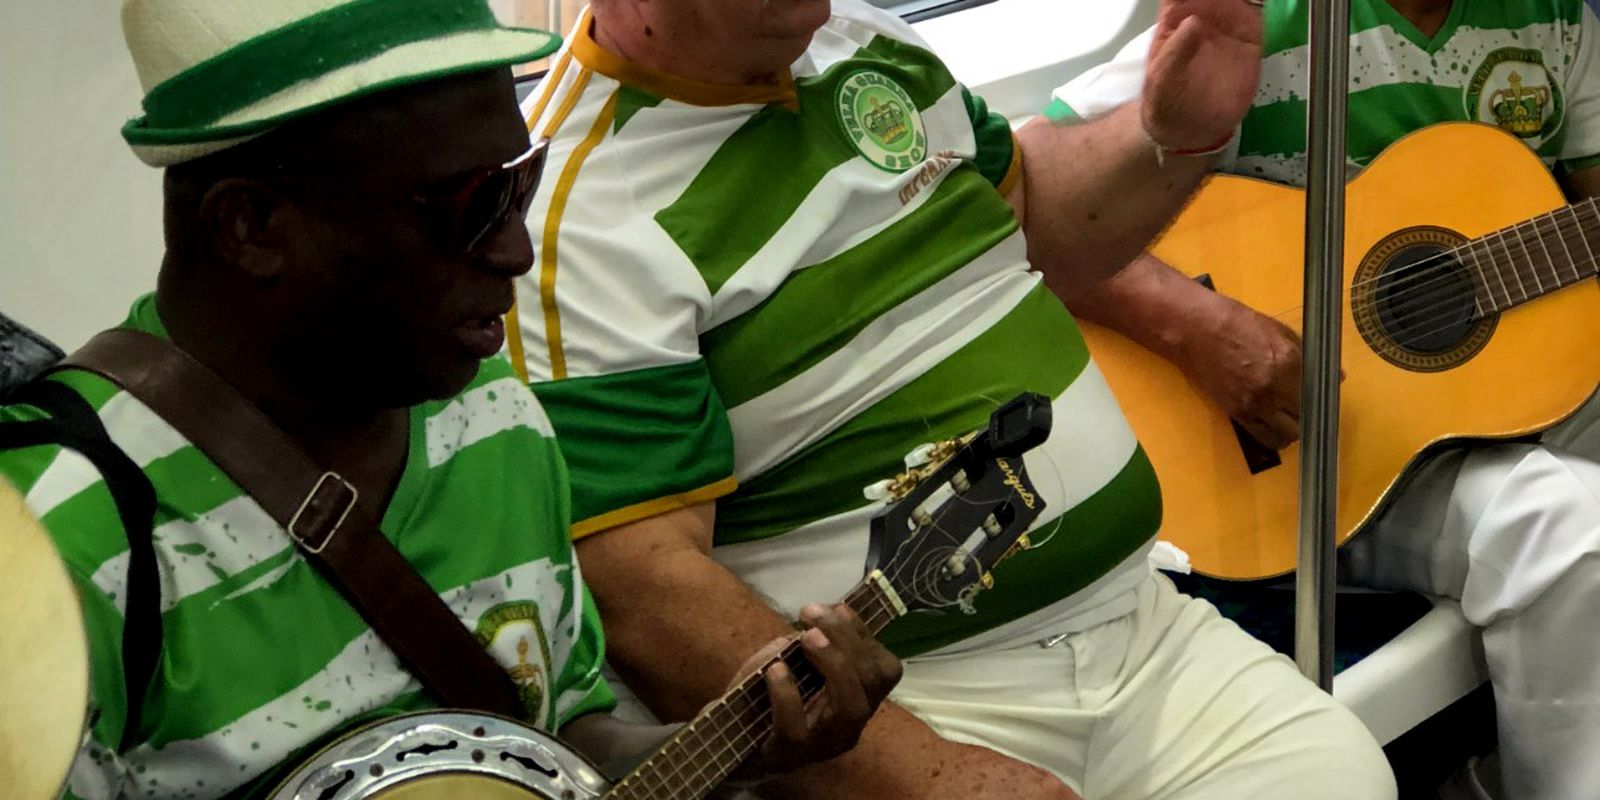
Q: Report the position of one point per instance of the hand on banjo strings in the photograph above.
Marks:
(1205, 60)
(859, 673)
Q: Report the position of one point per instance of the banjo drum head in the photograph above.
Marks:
(452, 787)
(44, 658)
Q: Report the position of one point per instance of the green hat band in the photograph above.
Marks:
(312, 47)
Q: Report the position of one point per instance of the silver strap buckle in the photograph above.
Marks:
(322, 511)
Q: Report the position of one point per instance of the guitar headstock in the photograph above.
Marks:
(961, 507)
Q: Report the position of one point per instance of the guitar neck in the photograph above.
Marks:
(1535, 257)
(702, 754)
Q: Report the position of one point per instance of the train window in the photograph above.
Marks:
(550, 15)
(558, 14)
(918, 10)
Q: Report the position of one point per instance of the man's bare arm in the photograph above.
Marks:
(1093, 195)
(678, 625)
(1245, 361)
(1096, 193)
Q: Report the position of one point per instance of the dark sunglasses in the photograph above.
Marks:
(476, 204)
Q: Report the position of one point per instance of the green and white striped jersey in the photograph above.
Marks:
(768, 295)
(262, 659)
(1529, 67)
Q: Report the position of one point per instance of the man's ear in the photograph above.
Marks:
(247, 223)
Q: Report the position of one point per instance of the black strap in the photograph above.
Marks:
(73, 424)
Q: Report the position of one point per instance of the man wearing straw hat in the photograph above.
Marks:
(344, 182)
(1512, 530)
(781, 247)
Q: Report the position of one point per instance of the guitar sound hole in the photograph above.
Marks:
(1424, 300)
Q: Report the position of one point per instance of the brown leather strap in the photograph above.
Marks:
(319, 510)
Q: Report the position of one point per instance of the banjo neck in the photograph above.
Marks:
(703, 753)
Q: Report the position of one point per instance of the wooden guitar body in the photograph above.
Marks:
(1507, 375)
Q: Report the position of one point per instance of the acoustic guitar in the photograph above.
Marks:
(962, 506)
(1469, 313)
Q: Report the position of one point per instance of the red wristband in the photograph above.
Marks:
(1200, 151)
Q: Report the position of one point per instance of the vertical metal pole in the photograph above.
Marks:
(1319, 419)
(554, 16)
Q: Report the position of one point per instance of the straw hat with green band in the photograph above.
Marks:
(220, 72)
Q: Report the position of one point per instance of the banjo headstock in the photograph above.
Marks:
(961, 507)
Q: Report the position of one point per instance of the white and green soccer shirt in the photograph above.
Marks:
(1530, 67)
(768, 295)
(261, 658)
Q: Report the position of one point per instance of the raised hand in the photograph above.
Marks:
(1204, 62)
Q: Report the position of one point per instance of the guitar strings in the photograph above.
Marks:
(1562, 229)
(747, 727)
(1420, 270)
(1576, 225)
(1432, 278)
(756, 728)
(1503, 239)
(1438, 317)
(754, 731)
(875, 619)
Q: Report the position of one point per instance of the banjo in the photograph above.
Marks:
(961, 507)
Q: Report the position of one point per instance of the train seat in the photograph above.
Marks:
(23, 353)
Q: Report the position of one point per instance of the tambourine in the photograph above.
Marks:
(44, 658)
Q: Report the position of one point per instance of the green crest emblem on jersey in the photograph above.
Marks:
(1513, 90)
(882, 121)
(512, 633)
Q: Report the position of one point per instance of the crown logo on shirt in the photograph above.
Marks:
(1518, 108)
(887, 121)
(880, 118)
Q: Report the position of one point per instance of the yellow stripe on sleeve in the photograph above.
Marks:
(1013, 172)
(651, 508)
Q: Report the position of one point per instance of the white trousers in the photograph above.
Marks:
(1513, 532)
(1169, 701)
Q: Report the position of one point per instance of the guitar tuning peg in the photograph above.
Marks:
(991, 526)
(957, 564)
(880, 491)
(960, 482)
(920, 456)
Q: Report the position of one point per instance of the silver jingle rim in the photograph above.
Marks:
(400, 749)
